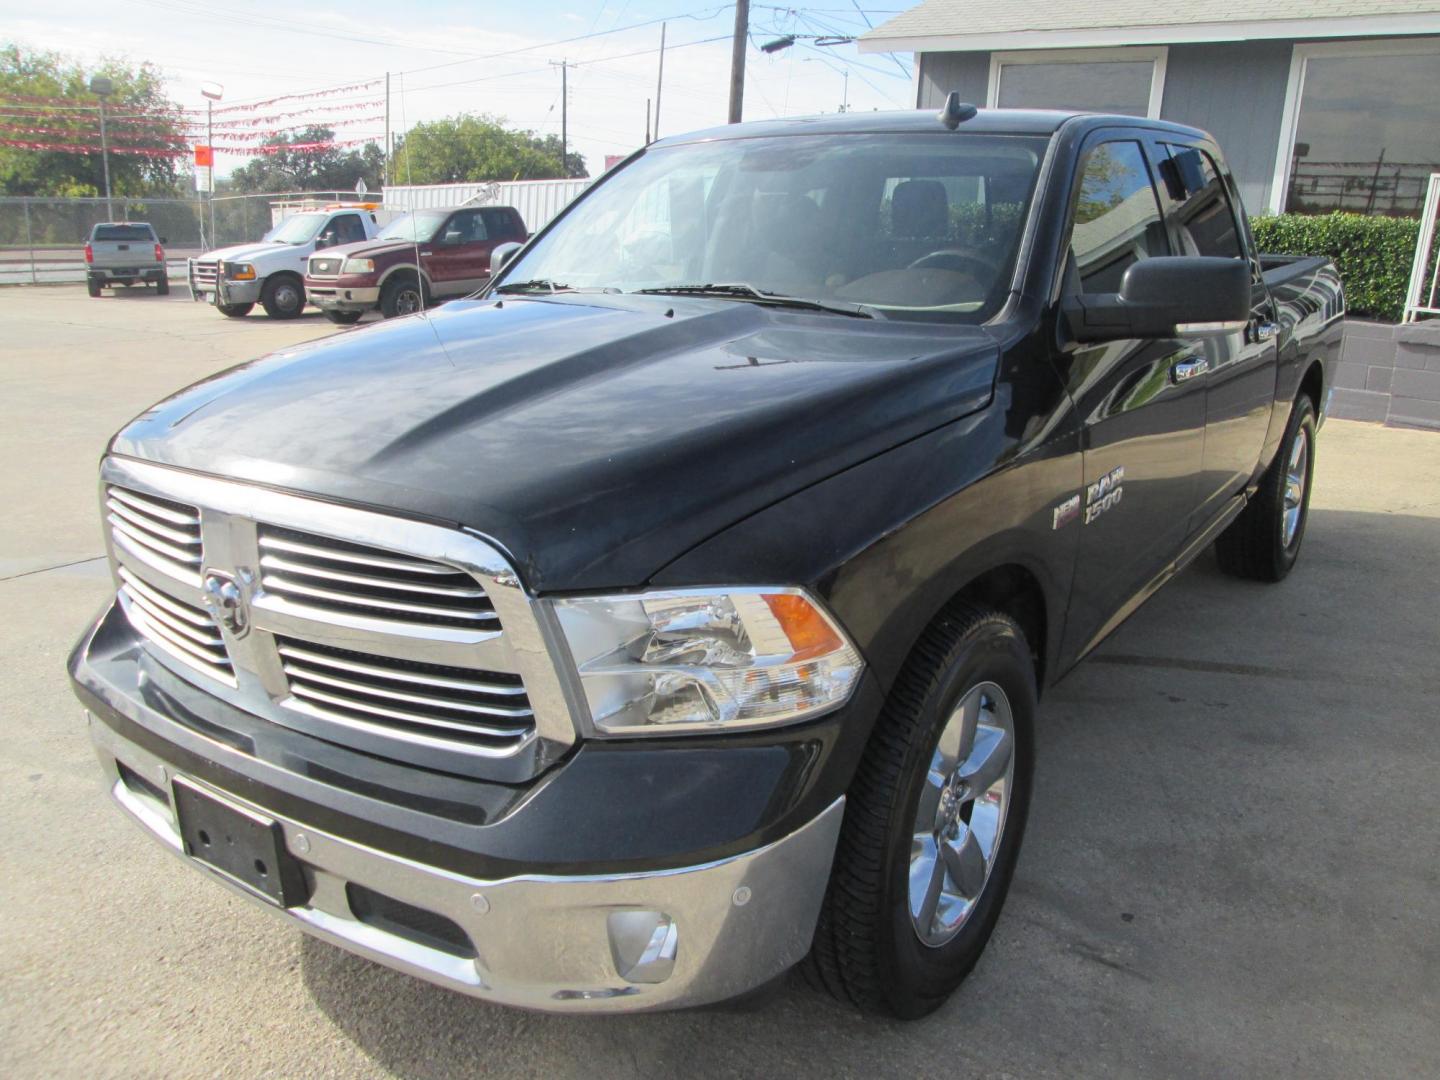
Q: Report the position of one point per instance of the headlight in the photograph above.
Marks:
(665, 663)
(358, 266)
(239, 272)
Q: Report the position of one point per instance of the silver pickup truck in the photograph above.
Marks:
(125, 253)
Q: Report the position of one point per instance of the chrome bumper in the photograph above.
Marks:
(588, 943)
(342, 298)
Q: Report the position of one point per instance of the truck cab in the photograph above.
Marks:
(272, 272)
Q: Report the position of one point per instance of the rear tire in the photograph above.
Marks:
(162, 287)
(283, 296)
(403, 296)
(1263, 543)
(234, 311)
(344, 318)
(923, 802)
(92, 286)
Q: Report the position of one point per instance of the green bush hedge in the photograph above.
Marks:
(1373, 254)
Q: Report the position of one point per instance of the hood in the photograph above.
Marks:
(368, 248)
(594, 439)
(246, 252)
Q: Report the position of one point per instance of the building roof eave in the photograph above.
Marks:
(1404, 25)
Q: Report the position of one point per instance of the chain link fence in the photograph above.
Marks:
(43, 240)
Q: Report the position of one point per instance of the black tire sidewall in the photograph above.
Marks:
(268, 298)
(1301, 419)
(390, 294)
(917, 976)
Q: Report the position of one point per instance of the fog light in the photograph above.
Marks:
(643, 945)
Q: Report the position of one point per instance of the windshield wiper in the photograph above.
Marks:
(742, 291)
(533, 285)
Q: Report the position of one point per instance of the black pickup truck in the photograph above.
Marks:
(677, 610)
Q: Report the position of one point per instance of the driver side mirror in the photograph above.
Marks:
(1166, 296)
(164, 240)
(501, 255)
(325, 239)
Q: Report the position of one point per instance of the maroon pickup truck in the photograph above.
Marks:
(429, 255)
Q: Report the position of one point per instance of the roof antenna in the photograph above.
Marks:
(955, 112)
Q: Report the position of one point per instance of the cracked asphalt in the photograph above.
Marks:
(1232, 866)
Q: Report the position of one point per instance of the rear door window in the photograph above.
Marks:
(1204, 219)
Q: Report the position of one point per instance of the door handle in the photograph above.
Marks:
(1185, 370)
(1262, 331)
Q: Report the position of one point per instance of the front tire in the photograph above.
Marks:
(344, 318)
(402, 296)
(234, 311)
(1263, 543)
(934, 820)
(283, 297)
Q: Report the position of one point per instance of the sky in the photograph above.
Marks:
(442, 58)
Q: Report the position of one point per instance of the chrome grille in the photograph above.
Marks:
(161, 533)
(407, 641)
(439, 704)
(338, 576)
(183, 631)
(205, 272)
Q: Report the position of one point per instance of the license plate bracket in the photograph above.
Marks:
(245, 847)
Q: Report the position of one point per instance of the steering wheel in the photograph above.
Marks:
(958, 259)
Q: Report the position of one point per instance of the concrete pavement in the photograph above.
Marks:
(1232, 866)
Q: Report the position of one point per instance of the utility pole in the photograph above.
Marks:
(737, 59)
(102, 88)
(659, 81)
(564, 66)
(385, 180)
(210, 142)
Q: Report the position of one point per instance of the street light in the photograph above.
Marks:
(102, 87)
(211, 92)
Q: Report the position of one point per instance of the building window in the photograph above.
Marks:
(1128, 81)
(1360, 128)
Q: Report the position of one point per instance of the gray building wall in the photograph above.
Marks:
(943, 72)
(1236, 91)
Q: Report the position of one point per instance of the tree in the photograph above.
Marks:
(325, 169)
(471, 147)
(47, 100)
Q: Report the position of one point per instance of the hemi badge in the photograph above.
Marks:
(1067, 511)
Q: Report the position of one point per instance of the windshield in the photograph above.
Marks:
(419, 227)
(297, 229)
(917, 226)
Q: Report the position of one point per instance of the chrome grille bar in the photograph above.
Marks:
(161, 533)
(183, 632)
(322, 573)
(377, 690)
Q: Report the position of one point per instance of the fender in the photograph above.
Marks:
(412, 268)
(888, 543)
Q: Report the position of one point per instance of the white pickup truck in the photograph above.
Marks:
(272, 271)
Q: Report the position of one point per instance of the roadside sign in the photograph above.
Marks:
(204, 168)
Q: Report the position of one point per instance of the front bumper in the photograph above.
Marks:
(590, 943)
(331, 297)
(223, 291)
(554, 913)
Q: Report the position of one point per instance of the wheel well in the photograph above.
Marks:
(1313, 384)
(1014, 590)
